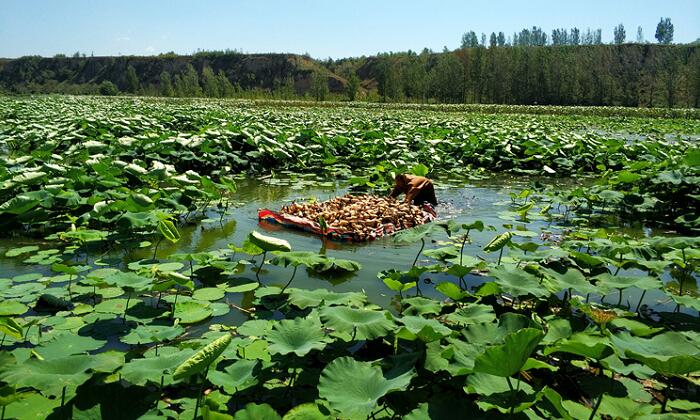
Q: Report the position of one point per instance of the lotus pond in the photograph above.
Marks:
(559, 282)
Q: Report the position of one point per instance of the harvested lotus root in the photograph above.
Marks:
(361, 214)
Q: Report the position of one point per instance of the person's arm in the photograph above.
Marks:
(399, 187)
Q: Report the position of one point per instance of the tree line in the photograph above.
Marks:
(566, 67)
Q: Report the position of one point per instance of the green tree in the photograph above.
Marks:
(319, 86)
(226, 89)
(187, 83)
(619, 34)
(664, 31)
(493, 40)
(470, 40)
(501, 39)
(640, 35)
(352, 87)
(166, 84)
(211, 83)
(108, 88)
(132, 80)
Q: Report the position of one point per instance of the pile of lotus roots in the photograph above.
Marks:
(362, 214)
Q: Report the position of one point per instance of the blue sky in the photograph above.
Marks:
(332, 28)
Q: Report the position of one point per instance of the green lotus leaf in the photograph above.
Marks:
(508, 358)
(254, 411)
(451, 290)
(201, 360)
(10, 327)
(571, 279)
(191, 312)
(308, 411)
(517, 282)
(498, 242)
(422, 306)
(268, 243)
(50, 376)
(353, 388)
(236, 377)
(426, 330)
(12, 307)
(67, 344)
(112, 306)
(128, 280)
(669, 353)
(169, 231)
(298, 336)
(209, 294)
(14, 252)
(296, 258)
(310, 298)
(145, 334)
(152, 369)
(472, 313)
(583, 344)
(609, 282)
(32, 406)
(365, 324)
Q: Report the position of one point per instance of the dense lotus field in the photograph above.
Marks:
(575, 320)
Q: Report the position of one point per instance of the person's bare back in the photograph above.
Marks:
(418, 189)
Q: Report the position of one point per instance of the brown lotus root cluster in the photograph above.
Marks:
(362, 214)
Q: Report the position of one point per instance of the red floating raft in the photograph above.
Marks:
(301, 223)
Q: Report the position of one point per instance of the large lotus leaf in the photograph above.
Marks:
(457, 357)
(366, 324)
(417, 233)
(308, 411)
(298, 336)
(12, 307)
(152, 369)
(128, 280)
(236, 377)
(310, 298)
(571, 279)
(485, 384)
(609, 282)
(296, 258)
(508, 358)
(254, 411)
(426, 330)
(582, 344)
(191, 312)
(518, 282)
(50, 376)
(19, 204)
(353, 388)
(624, 408)
(688, 301)
(32, 406)
(472, 313)
(670, 353)
(21, 250)
(335, 265)
(421, 306)
(67, 344)
(209, 293)
(492, 333)
(113, 306)
(145, 334)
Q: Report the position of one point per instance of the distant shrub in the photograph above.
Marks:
(108, 88)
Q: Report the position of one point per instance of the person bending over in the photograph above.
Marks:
(418, 189)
